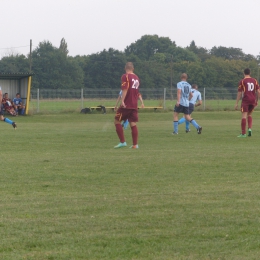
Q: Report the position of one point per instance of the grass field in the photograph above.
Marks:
(66, 193)
(75, 105)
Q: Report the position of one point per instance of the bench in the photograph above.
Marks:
(103, 108)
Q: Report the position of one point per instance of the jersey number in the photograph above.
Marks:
(135, 83)
(250, 86)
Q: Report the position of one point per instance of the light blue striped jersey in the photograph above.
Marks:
(196, 96)
(185, 92)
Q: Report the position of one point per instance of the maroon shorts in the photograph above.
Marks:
(122, 114)
(247, 107)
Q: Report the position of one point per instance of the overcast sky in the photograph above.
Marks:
(90, 26)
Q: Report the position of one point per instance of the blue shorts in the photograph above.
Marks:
(181, 109)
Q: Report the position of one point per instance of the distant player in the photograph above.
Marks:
(8, 105)
(18, 104)
(249, 90)
(2, 118)
(182, 106)
(194, 102)
(129, 106)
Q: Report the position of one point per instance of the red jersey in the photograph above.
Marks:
(249, 87)
(131, 83)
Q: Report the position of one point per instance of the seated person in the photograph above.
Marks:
(8, 105)
(18, 105)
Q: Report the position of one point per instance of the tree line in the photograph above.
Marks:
(158, 62)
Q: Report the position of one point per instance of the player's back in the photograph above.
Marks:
(131, 83)
(185, 88)
(249, 87)
(196, 96)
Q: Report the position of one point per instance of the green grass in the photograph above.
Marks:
(75, 105)
(66, 193)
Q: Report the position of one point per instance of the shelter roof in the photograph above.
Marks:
(16, 76)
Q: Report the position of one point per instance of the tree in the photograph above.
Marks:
(201, 52)
(64, 46)
(230, 53)
(146, 47)
(104, 69)
(54, 70)
(14, 64)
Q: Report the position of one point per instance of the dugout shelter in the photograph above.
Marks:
(13, 83)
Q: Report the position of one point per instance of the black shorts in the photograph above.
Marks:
(191, 108)
(181, 109)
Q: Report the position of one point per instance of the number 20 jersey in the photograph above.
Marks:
(249, 87)
(130, 82)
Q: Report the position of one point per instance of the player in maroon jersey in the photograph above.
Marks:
(129, 105)
(249, 90)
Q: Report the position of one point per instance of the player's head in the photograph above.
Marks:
(129, 66)
(195, 86)
(184, 76)
(17, 95)
(247, 72)
(6, 95)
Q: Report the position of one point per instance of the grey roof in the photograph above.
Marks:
(16, 76)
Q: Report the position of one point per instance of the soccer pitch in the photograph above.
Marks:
(66, 193)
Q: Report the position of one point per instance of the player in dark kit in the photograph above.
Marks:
(250, 89)
(129, 105)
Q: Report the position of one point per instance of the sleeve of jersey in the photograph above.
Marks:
(124, 82)
(240, 86)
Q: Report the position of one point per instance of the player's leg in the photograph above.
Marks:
(126, 123)
(133, 118)
(194, 123)
(16, 109)
(187, 126)
(250, 121)
(177, 110)
(244, 110)
(191, 108)
(7, 120)
(175, 122)
(119, 129)
(21, 109)
(181, 121)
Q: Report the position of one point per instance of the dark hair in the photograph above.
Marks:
(247, 71)
(17, 93)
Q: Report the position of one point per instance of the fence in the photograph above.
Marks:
(66, 100)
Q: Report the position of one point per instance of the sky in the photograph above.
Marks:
(90, 26)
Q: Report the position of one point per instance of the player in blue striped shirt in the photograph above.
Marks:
(184, 94)
(194, 102)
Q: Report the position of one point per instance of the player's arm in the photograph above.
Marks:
(199, 99)
(257, 96)
(239, 95)
(178, 97)
(124, 91)
(117, 101)
(199, 103)
(141, 99)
